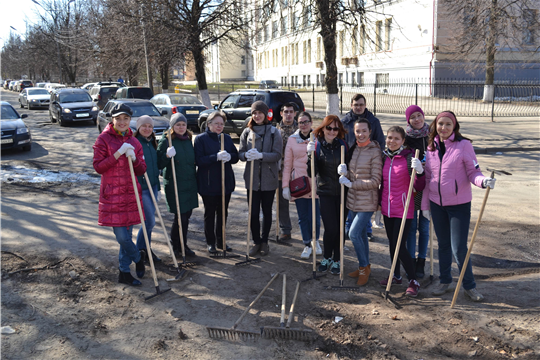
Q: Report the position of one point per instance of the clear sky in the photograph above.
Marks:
(15, 13)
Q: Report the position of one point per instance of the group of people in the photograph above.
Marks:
(375, 175)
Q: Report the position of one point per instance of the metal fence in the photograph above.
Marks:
(464, 98)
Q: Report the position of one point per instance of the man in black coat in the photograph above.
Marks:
(359, 110)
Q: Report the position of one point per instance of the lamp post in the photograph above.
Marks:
(148, 75)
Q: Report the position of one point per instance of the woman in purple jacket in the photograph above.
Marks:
(398, 164)
(451, 167)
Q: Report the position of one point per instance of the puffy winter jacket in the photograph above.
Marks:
(364, 170)
(396, 175)
(295, 162)
(268, 142)
(327, 159)
(184, 166)
(377, 133)
(150, 158)
(207, 145)
(117, 202)
(448, 181)
(419, 144)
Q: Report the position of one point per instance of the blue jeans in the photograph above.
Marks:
(303, 208)
(128, 250)
(358, 236)
(451, 224)
(423, 238)
(348, 223)
(149, 217)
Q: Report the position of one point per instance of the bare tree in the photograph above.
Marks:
(485, 30)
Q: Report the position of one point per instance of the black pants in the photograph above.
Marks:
(213, 216)
(392, 226)
(330, 207)
(175, 234)
(264, 200)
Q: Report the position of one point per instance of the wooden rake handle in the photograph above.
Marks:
(291, 311)
(222, 138)
(177, 200)
(313, 209)
(341, 220)
(254, 301)
(250, 195)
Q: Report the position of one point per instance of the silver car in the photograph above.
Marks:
(34, 97)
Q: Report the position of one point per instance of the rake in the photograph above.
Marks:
(431, 232)
(342, 237)
(285, 331)
(278, 240)
(233, 333)
(222, 253)
(249, 260)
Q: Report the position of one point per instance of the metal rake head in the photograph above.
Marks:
(248, 261)
(232, 334)
(343, 288)
(271, 332)
(499, 171)
(222, 255)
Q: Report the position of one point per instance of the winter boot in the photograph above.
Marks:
(126, 278)
(420, 264)
(139, 266)
(363, 276)
(355, 273)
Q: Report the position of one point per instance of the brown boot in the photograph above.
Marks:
(368, 269)
(363, 276)
(354, 274)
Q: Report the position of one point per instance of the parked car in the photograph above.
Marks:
(68, 105)
(50, 87)
(24, 84)
(6, 84)
(134, 92)
(13, 85)
(237, 107)
(34, 97)
(102, 92)
(41, 84)
(15, 133)
(140, 107)
(188, 105)
(88, 86)
(269, 84)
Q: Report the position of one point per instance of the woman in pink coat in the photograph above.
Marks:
(398, 164)
(117, 203)
(451, 167)
(295, 166)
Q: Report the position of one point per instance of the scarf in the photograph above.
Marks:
(412, 132)
(365, 143)
(304, 137)
(120, 133)
(391, 154)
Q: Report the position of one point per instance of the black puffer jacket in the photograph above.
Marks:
(327, 159)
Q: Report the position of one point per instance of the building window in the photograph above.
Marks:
(360, 78)
(319, 49)
(284, 25)
(304, 81)
(529, 21)
(309, 80)
(378, 35)
(382, 80)
(354, 40)
(322, 80)
(304, 52)
(362, 39)
(243, 60)
(274, 29)
(294, 22)
(266, 33)
(341, 36)
(340, 79)
(296, 54)
(388, 38)
(306, 21)
(243, 72)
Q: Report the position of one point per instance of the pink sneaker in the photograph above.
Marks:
(395, 281)
(413, 288)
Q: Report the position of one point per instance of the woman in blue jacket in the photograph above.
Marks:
(208, 157)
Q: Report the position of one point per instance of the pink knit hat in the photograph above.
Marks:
(412, 109)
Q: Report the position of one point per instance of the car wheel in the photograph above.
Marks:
(52, 119)
(30, 107)
(27, 147)
(203, 127)
(60, 122)
(20, 103)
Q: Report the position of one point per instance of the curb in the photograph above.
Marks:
(503, 150)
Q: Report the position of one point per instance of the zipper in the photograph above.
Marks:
(389, 180)
(440, 170)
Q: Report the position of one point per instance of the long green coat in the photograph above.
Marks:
(184, 163)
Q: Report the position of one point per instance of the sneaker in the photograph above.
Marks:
(474, 295)
(413, 288)
(420, 263)
(363, 276)
(127, 278)
(336, 267)
(265, 249)
(370, 237)
(318, 249)
(254, 250)
(325, 264)
(306, 253)
(395, 281)
(443, 289)
(139, 266)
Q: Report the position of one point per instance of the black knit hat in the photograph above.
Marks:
(119, 109)
(260, 106)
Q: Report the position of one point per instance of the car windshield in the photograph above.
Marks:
(108, 90)
(73, 98)
(140, 93)
(143, 109)
(38, 92)
(180, 100)
(8, 113)
(271, 82)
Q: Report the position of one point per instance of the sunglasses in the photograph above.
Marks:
(304, 122)
(329, 128)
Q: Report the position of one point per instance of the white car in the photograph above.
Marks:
(41, 84)
(51, 86)
(34, 97)
(88, 86)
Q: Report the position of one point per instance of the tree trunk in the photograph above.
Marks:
(198, 59)
(164, 72)
(490, 53)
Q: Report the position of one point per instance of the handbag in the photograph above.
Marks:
(300, 186)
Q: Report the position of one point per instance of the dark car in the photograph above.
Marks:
(134, 92)
(69, 105)
(237, 107)
(15, 133)
(34, 97)
(140, 107)
(269, 84)
(188, 105)
(24, 84)
(103, 91)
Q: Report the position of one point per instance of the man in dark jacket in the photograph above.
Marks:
(359, 110)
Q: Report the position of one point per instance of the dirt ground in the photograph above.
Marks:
(61, 297)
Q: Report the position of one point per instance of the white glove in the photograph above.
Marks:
(310, 146)
(416, 164)
(227, 157)
(158, 197)
(344, 181)
(254, 154)
(287, 193)
(489, 182)
(125, 147)
(222, 155)
(426, 214)
(342, 169)
(377, 223)
(130, 153)
(171, 152)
